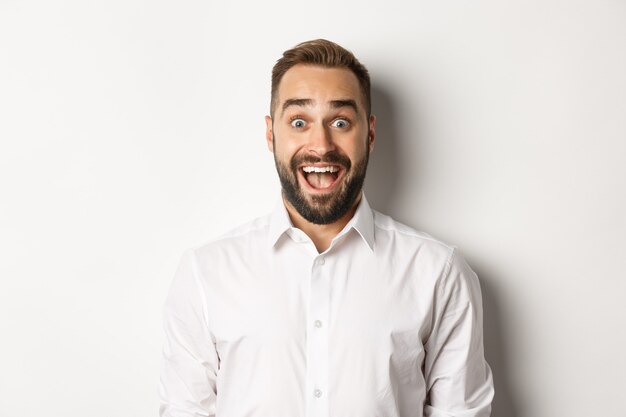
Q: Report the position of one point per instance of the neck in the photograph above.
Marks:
(321, 234)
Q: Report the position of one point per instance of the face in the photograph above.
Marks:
(321, 138)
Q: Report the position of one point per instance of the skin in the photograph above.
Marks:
(313, 117)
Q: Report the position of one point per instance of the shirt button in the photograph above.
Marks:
(321, 261)
(318, 324)
(317, 393)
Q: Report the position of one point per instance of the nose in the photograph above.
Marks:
(320, 141)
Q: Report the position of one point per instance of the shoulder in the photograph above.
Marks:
(237, 240)
(392, 232)
(443, 261)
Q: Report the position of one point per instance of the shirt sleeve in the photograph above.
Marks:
(189, 366)
(458, 379)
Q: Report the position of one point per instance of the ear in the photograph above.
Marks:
(372, 132)
(269, 134)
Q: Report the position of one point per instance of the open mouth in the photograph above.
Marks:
(321, 177)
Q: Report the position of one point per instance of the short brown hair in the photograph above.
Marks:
(323, 53)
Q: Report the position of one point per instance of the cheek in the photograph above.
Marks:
(285, 149)
(357, 148)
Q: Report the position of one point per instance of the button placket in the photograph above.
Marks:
(317, 339)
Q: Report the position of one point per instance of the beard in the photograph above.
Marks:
(322, 208)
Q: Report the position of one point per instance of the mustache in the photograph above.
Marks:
(331, 158)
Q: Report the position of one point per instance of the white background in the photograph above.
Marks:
(132, 130)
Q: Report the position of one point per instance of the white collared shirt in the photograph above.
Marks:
(387, 322)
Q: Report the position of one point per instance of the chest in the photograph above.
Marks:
(361, 300)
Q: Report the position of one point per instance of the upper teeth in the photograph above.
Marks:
(320, 169)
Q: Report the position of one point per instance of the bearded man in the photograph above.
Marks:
(325, 307)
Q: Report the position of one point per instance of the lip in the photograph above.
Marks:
(305, 184)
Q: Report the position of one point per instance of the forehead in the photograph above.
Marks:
(320, 84)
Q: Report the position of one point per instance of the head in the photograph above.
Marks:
(320, 129)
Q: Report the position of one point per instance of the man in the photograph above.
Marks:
(325, 307)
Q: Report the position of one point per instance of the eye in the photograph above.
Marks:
(298, 123)
(340, 123)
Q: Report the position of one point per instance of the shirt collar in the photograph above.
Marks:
(279, 222)
(362, 222)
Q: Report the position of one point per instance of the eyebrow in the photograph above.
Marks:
(335, 104)
(302, 102)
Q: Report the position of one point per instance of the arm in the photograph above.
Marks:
(458, 379)
(190, 361)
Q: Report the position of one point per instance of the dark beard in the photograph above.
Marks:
(326, 208)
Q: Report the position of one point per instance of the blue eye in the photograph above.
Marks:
(340, 123)
(298, 123)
